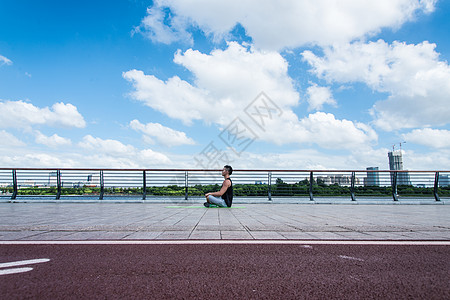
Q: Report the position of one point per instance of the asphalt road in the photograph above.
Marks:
(232, 271)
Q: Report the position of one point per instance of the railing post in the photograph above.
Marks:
(144, 185)
(394, 186)
(14, 177)
(269, 185)
(186, 185)
(352, 187)
(436, 186)
(58, 184)
(102, 185)
(311, 179)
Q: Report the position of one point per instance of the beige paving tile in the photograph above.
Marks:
(353, 235)
(205, 235)
(236, 235)
(174, 235)
(143, 235)
(155, 220)
(297, 235)
(267, 235)
(18, 235)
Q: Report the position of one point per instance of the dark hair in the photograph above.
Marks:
(229, 169)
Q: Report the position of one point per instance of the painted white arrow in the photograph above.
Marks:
(20, 263)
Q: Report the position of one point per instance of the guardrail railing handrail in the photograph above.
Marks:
(306, 182)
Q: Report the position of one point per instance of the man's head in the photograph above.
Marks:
(228, 169)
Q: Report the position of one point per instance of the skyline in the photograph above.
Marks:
(307, 85)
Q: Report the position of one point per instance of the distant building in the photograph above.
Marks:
(92, 180)
(342, 180)
(52, 179)
(444, 180)
(373, 178)
(396, 164)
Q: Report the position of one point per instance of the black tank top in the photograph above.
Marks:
(228, 195)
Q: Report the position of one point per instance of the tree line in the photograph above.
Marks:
(280, 188)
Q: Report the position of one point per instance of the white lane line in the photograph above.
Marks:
(350, 257)
(14, 271)
(222, 242)
(23, 262)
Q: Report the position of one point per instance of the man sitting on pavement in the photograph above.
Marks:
(225, 193)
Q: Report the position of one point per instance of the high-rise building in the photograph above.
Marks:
(396, 164)
(444, 180)
(373, 178)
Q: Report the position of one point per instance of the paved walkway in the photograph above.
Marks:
(116, 221)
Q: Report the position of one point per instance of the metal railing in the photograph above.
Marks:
(145, 183)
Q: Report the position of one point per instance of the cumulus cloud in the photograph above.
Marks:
(317, 96)
(275, 25)
(227, 81)
(51, 141)
(175, 97)
(433, 160)
(21, 114)
(5, 61)
(113, 149)
(417, 81)
(161, 26)
(164, 135)
(9, 140)
(434, 138)
(326, 131)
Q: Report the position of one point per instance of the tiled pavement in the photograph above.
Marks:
(138, 221)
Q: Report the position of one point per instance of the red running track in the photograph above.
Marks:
(229, 271)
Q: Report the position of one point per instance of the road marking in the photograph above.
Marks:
(350, 257)
(14, 271)
(24, 262)
(222, 242)
(4, 271)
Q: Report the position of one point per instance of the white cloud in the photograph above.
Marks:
(108, 146)
(5, 61)
(51, 141)
(153, 26)
(312, 159)
(227, 81)
(164, 135)
(9, 140)
(114, 150)
(20, 114)
(326, 131)
(436, 160)
(175, 97)
(318, 96)
(151, 157)
(433, 138)
(275, 25)
(417, 81)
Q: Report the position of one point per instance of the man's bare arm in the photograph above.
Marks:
(226, 184)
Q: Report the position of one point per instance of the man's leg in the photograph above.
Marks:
(217, 201)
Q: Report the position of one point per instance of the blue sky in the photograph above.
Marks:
(193, 84)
